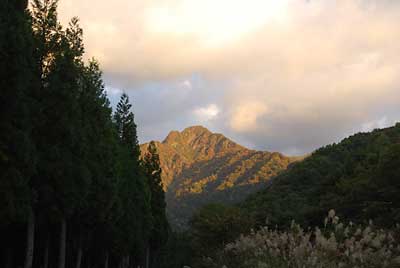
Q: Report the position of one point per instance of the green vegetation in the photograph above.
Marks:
(160, 227)
(215, 225)
(73, 190)
(359, 177)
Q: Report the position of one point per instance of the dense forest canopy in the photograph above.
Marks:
(359, 177)
(73, 189)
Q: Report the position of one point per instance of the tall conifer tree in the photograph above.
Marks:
(17, 150)
(60, 60)
(134, 193)
(160, 227)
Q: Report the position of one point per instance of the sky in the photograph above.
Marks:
(287, 76)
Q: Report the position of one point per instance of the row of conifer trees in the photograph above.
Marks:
(73, 189)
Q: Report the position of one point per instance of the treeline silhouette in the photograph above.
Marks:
(73, 189)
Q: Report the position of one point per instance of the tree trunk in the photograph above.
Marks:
(30, 239)
(153, 260)
(121, 263)
(9, 257)
(125, 262)
(80, 253)
(46, 252)
(63, 241)
(148, 257)
(106, 261)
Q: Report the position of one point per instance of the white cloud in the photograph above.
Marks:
(379, 123)
(207, 113)
(113, 91)
(187, 84)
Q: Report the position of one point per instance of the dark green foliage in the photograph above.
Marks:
(73, 191)
(212, 227)
(215, 225)
(178, 251)
(133, 189)
(17, 152)
(160, 227)
(358, 177)
(17, 148)
(126, 127)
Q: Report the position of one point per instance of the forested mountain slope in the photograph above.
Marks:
(201, 167)
(359, 178)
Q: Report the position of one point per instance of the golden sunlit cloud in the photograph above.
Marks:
(244, 118)
(213, 22)
(281, 66)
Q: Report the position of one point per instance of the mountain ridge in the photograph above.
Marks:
(201, 167)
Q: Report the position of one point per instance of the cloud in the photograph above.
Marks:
(187, 84)
(244, 117)
(378, 123)
(207, 113)
(284, 75)
(111, 91)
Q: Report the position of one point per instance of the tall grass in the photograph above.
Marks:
(335, 245)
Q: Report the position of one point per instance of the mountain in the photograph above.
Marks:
(201, 167)
(358, 177)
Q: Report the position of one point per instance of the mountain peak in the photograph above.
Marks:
(198, 141)
(196, 130)
(187, 135)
